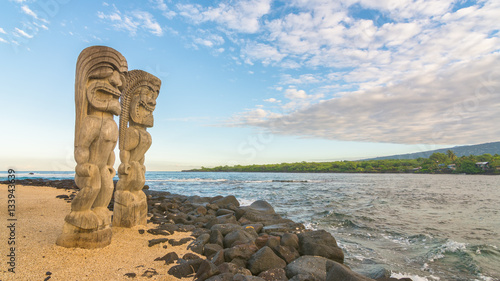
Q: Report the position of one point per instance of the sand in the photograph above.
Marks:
(40, 217)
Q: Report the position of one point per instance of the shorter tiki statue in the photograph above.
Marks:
(138, 102)
(99, 81)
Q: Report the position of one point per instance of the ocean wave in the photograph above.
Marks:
(449, 247)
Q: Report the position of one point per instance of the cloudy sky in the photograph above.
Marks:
(259, 81)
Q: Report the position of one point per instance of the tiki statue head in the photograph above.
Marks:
(99, 82)
(139, 99)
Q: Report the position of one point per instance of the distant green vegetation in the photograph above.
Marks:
(437, 163)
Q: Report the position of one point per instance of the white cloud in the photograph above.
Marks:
(208, 39)
(454, 106)
(295, 94)
(301, 79)
(272, 100)
(166, 12)
(149, 22)
(2, 31)
(3, 40)
(258, 51)
(23, 33)
(29, 12)
(253, 117)
(242, 16)
(132, 21)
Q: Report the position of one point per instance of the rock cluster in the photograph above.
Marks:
(244, 243)
(236, 243)
(59, 184)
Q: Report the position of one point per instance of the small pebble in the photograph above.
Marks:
(131, 275)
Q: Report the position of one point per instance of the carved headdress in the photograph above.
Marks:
(138, 81)
(92, 63)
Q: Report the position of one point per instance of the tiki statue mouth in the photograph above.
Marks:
(149, 106)
(104, 97)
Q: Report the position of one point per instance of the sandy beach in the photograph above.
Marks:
(40, 216)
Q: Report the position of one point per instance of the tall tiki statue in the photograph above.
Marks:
(138, 103)
(99, 81)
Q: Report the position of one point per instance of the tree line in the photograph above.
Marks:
(445, 163)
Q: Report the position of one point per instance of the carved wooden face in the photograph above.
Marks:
(104, 88)
(142, 106)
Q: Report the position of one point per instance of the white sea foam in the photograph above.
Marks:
(310, 225)
(413, 276)
(245, 202)
(451, 247)
(485, 278)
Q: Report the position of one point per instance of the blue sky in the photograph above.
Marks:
(259, 81)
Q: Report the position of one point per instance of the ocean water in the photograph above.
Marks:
(427, 227)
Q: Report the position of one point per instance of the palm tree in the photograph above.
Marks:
(451, 155)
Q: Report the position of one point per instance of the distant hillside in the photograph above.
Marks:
(478, 149)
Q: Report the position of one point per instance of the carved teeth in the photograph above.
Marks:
(146, 106)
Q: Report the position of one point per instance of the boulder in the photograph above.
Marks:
(233, 268)
(241, 262)
(216, 237)
(198, 244)
(218, 258)
(182, 241)
(224, 219)
(182, 270)
(226, 228)
(206, 270)
(261, 241)
(273, 241)
(316, 267)
(191, 256)
(340, 272)
(275, 274)
(153, 242)
(226, 202)
(244, 251)
(287, 253)
(221, 212)
(209, 250)
(265, 259)
(320, 243)
(156, 231)
(373, 270)
(169, 227)
(239, 237)
(261, 206)
(290, 239)
(169, 258)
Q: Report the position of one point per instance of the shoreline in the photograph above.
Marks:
(40, 217)
(311, 172)
(206, 223)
